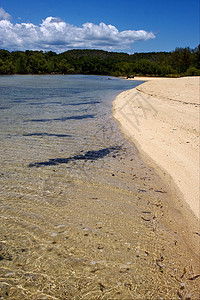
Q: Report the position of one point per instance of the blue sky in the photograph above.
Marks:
(137, 26)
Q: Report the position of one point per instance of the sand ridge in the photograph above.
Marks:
(162, 117)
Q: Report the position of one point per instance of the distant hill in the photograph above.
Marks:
(180, 62)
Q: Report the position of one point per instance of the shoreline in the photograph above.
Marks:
(146, 107)
(161, 117)
(86, 217)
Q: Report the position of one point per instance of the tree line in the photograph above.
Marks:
(180, 62)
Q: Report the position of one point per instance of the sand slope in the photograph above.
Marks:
(162, 117)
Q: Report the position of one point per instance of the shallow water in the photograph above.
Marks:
(81, 214)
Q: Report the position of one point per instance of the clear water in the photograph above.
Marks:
(60, 115)
(82, 217)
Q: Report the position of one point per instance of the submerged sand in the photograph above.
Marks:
(91, 229)
(162, 117)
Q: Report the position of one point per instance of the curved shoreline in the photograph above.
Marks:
(161, 117)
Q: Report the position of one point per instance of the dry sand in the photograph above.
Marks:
(161, 117)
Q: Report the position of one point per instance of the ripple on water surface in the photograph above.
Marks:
(81, 214)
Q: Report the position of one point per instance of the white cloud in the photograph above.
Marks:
(57, 35)
(4, 15)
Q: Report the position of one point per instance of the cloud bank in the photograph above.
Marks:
(57, 35)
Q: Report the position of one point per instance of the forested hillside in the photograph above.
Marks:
(180, 62)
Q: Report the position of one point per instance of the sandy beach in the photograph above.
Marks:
(161, 116)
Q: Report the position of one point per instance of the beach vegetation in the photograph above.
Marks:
(193, 72)
(180, 62)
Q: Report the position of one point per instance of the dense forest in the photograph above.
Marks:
(180, 62)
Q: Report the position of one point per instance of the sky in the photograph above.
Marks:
(113, 25)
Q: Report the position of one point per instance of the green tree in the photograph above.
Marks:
(21, 65)
(65, 68)
(182, 61)
(192, 71)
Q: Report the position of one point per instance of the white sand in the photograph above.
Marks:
(161, 117)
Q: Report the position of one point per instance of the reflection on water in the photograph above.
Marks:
(81, 216)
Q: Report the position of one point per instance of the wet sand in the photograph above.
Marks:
(102, 237)
(161, 117)
(96, 225)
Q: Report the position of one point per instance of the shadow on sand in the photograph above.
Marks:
(47, 134)
(63, 119)
(81, 103)
(90, 155)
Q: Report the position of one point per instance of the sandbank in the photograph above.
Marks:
(161, 116)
